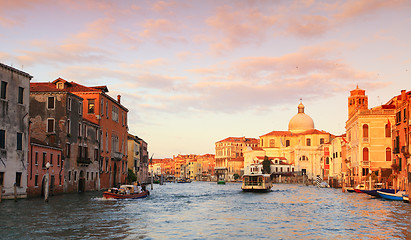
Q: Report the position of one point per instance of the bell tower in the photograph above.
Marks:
(357, 100)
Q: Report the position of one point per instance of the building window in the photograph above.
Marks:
(19, 141)
(75, 176)
(106, 164)
(50, 125)
(2, 139)
(388, 154)
(36, 158)
(365, 131)
(20, 96)
(114, 113)
(365, 154)
(68, 126)
(3, 90)
(327, 160)
(308, 142)
(79, 129)
(102, 107)
(68, 148)
(91, 104)
(80, 108)
(387, 130)
(58, 160)
(321, 140)
(1, 178)
(50, 103)
(44, 160)
(69, 176)
(51, 159)
(18, 179)
(36, 180)
(96, 154)
(107, 109)
(405, 114)
(69, 104)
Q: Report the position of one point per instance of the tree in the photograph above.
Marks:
(236, 176)
(266, 165)
(131, 177)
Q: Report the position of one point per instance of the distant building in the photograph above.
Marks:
(14, 134)
(229, 156)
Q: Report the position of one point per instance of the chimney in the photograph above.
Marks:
(118, 98)
(403, 97)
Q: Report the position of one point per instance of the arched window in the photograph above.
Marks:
(388, 154)
(321, 140)
(387, 130)
(327, 160)
(287, 143)
(365, 155)
(365, 131)
(308, 142)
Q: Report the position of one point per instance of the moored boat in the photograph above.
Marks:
(375, 193)
(126, 192)
(406, 198)
(256, 183)
(392, 196)
(220, 182)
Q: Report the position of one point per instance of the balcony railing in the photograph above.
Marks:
(116, 156)
(366, 163)
(83, 160)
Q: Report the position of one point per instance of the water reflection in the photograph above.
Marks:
(202, 210)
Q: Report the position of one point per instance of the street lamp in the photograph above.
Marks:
(46, 191)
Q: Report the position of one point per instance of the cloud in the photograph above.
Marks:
(157, 26)
(239, 26)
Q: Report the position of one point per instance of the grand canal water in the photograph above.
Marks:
(204, 210)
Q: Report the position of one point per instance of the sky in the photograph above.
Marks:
(192, 73)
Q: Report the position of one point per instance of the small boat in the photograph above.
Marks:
(350, 189)
(126, 192)
(256, 183)
(184, 180)
(220, 182)
(392, 196)
(406, 198)
(375, 193)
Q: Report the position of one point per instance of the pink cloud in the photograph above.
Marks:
(355, 8)
(239, 26)
(157, 26)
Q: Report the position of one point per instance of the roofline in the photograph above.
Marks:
(16, 71)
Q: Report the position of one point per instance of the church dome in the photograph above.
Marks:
(301, 122)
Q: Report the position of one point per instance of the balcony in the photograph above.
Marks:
(116, 156)
(365, 139)
(83, 160)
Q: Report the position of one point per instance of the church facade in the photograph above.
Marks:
(302, 146)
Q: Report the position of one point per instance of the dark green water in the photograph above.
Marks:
(203, 210)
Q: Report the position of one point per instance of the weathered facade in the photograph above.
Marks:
(56, 117)
(14, 135)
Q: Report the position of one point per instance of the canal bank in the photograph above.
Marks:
(205, 210)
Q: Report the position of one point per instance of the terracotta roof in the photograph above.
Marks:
(272, 158)
(257, 148)
(288, 133)
(239, 139)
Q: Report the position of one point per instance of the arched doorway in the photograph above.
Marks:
(82, 182)
(115, 175)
